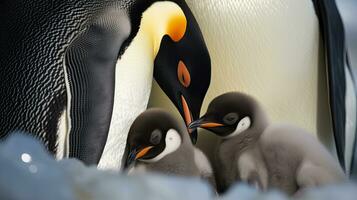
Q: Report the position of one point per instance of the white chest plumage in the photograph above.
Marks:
(132, 90)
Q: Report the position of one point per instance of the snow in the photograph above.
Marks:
(28, 172)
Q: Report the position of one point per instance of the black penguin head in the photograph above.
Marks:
(153, 135)
(183, 71)
(228, 115)
(182, 66)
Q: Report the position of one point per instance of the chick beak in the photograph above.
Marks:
(135, 154)
(202, 123)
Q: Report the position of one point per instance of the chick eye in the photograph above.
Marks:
(155, 137)
(183, 74)
(230, 118)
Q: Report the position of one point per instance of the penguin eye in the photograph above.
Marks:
(155, 137)
(183, 74)
(230, 118)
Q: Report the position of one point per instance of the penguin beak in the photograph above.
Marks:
(203, 123)
(187, 114)
(135, 154)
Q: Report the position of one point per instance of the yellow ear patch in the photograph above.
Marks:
(163, 18)
(176, 27)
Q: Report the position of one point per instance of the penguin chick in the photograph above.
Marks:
(157, 142)
(268, 156)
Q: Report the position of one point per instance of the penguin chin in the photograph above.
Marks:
(172, 140)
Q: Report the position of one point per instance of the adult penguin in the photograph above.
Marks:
(76, 73)
(290, 55)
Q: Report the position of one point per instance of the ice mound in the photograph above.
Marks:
(28, 172)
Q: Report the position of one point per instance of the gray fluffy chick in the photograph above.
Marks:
(157, 142)
(265, 155)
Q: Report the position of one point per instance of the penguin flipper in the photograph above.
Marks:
(90, 63)
(333, 36)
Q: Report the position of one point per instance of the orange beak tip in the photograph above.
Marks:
(186, 110)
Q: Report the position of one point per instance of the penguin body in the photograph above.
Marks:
(159, 143)
(180, 163)
(285, 158)
(34, 38)
(185, 164)
(291, 146)
(267, 155)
